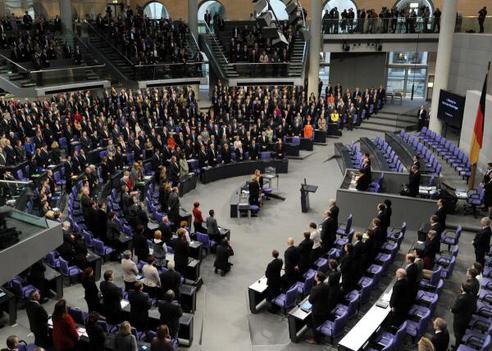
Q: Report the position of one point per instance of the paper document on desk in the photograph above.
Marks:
(124, 303)
(306, 306)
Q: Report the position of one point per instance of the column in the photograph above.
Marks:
(314, 47)
(66, 17)
(443, 60)
(193, 17)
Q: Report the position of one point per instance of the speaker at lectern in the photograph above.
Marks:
(305, 190)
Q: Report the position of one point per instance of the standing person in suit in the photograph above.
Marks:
(212, 226)
(441, 213)
(272, 273)
(170, 313)
(170, 280)
(400, 298)
(388, 211)
(319, 299)
(291, 260)
(412, 275)
(139, 307)
(328, 232)
(440, 335)
(334, 283)
(422, 117)
(365, 176)
(38, 320)
(381, 208)
(431, 248)
(130, 270)
(463, 308)
(91, 291)
(347, 266)
(482, 14)
(181, 251)
(315, 236)
(197, 218)
(96, 334)
(332, 206)
(111, 298)
(305, 251)
(413, 182)
(124, 340)
(481, 242)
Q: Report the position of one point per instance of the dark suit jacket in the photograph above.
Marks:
(305, 248)
(441, 214)
(291, 258)
(38, 318)
(111, 296)
(170, 280)
(463, 308)
(440, 340)
(272, 273)
(328, 232)
(482, 240)
(320, 299)
(400, 298)
(139, 307)
(170, 314)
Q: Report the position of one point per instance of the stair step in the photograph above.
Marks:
(16, 76)
(28, 84)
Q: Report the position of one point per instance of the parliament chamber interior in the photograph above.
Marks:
(257, 175)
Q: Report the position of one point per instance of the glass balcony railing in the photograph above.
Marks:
(402, 25)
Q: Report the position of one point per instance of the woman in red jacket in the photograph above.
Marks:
(65, 335)
(197, 218)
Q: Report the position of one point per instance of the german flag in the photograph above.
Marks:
(477, 138)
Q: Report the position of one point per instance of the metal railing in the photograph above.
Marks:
(214, 39)
(401, 25)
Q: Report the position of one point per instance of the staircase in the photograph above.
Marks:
(389, 122)
(296, 65)
(219, 58)
(123, 67)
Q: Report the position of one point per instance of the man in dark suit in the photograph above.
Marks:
(440, 336)
(173, 170)
(38, 320)
(319, 299)
(139, 307)
(422, 116)
(481, 242)
(412, 276)
(413, 182)
(381, 208)
(441, 214)
(111, 298)
(328, 232)
(463, 309)
(334, 211)
(291, 259)
(170, 280)
(272, 273)
(379, 234)
(305, 249)
(170, 313)
(436, 226)
(400, 298)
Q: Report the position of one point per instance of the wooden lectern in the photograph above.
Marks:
(305, 190)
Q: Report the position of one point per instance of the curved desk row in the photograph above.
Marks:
(236, 169)
(343, 157)
(403, 150)
(378, 161)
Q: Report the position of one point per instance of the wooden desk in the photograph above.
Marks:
(8, 304)
(193, 270)
(257, 294)
(55, 281)
(188, 297)
(360, 334)
(196, 250)
(298, 321)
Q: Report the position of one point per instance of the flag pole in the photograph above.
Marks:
(473, 170)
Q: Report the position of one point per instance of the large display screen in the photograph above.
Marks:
(451, 107)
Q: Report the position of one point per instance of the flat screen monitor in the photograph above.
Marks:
(451, 107)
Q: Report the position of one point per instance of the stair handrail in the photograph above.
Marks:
(212, 57)
(305, 54)
(110, 44)
(22, 68)
(212, 35)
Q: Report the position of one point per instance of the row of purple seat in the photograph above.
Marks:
(390, 155)
(453, 155)
(423, 152)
